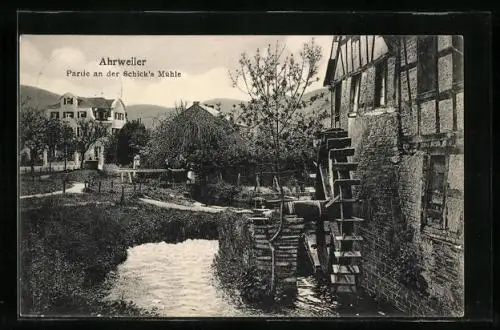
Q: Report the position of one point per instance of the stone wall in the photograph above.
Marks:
(285, 252)
(416, 268)
(245, 259)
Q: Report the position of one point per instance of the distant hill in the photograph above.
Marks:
(41, 98)
(321, 103)
(226, 105)
(148, 113)
(37, 97)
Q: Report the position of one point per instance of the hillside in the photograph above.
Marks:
(37, 97)
(148, 113)
(320, 104)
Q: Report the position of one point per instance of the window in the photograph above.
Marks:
(458, 59)
(380, 83)
(354, 97)
(427, 64)
(338, 101)
(68, 100)
(82, 114)
(435, 192)
(102, 114)
(68, 114)
(54, 114)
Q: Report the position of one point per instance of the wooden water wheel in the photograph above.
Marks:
(330, 237)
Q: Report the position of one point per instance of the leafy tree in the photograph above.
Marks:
(67, 140)
(275, 84)
(54, 135)
(32, 130)
(210, 143)
(127, 142)
(88, 134)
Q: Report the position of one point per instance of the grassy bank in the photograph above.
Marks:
(41, 183)
(70, 242)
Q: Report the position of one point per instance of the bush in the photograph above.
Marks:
(234, 262)
(218, 193)
(64, 251)
(110, 170)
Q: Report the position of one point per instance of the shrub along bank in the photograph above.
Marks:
(69, 243)
(235, 261)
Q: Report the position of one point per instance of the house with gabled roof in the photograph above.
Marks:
(400, 98)
(110, 112)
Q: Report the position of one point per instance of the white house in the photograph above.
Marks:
(70, 108)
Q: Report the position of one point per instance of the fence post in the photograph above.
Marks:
(112, 183)
(123, 194)
(99, 187)
(238, 180)
(64, 186)
(134, 185)
(140, 184)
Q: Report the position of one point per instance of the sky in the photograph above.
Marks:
(203, 62)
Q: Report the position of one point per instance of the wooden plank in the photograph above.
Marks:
(338, 142)
(340, 152)
(143, 170)
(347, 254)
(335, 134)
(313, 254)
(290, 280)
(352, 219)
(349, 238)
(343, 279)
(322, 178)
(333, 129)
(347, 182)
(344, 166)
(345, 269)
(311, 240)
(337, 200)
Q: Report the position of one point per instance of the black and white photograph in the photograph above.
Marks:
(192, 176)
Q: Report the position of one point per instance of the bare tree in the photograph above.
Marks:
(276, 84)
(180, 107)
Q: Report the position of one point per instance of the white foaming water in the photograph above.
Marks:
(175, 280)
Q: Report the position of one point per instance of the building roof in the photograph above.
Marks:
(100, 102)
(391, 41)
(90, 102)
(214, 112)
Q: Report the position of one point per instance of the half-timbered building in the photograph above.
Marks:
(401, 100)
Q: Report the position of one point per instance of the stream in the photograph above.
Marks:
(177, 280)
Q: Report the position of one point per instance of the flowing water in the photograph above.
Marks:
(177, 280)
